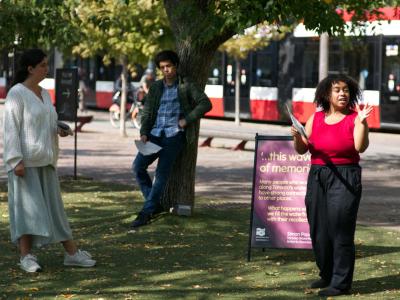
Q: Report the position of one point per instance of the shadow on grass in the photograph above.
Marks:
(201, 257)
(82, 185)
(376, 284)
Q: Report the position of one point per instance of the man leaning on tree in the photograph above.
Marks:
(171, 109)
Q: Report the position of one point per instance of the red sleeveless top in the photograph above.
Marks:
(333, 144)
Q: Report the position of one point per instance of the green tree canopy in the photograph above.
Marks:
(253, 38)
(116, 29)
(33, 23)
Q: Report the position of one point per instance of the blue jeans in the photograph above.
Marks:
(152, 192)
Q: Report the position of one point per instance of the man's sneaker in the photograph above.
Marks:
(79, 259)
(29, 264)
(141, 220)
(157, 211)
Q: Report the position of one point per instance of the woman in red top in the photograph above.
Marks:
(336, 135)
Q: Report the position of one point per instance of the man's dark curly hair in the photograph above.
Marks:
(324, 90)
(165, 56)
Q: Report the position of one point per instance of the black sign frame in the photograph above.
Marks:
(252, 233)
(67, 84)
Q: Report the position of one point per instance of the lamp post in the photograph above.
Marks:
(323, 56)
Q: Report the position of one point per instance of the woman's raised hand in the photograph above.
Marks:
(363, 113)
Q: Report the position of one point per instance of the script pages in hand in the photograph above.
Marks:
(300, 128)
(147, 148)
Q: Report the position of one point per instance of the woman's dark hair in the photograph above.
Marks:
(324, 90)
(166, 55)
(30, 58)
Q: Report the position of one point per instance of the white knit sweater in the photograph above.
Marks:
(29, 129)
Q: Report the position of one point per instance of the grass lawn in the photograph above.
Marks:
(200, 257)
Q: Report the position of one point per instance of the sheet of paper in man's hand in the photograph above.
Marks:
(300, 128)
(147, 148)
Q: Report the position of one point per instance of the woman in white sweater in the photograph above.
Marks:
(37, 215)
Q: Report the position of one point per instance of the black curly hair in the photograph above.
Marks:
(324, 90)
(165, 55)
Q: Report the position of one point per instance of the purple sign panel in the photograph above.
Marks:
(279, 187)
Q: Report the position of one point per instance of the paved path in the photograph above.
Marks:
(227, 175)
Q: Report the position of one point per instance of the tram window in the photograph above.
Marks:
(243, 77)
(229, 73)
(102, 71)
(392, 50)
(3, 68)
(335, 62)
(307, 60)
(92, 71)
(391, 69)
(215, 78)
(359, 63)
(262, 69)
(215, 73)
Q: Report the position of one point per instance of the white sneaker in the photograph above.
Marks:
(79, 259)
(29, 264)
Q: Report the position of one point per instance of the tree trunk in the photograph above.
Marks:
(124, 94)
(179, 193)
(196, 53)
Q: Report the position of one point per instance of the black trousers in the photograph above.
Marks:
(332, 200)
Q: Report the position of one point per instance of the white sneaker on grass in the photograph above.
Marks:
(29, 264)
(79, 259)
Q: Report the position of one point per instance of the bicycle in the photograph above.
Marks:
(133, 112)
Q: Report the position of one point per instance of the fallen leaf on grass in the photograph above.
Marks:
(67, 296)
(308, 291)
(272, 273)
(238, 278)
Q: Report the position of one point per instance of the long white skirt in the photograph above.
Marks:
(36, 208)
